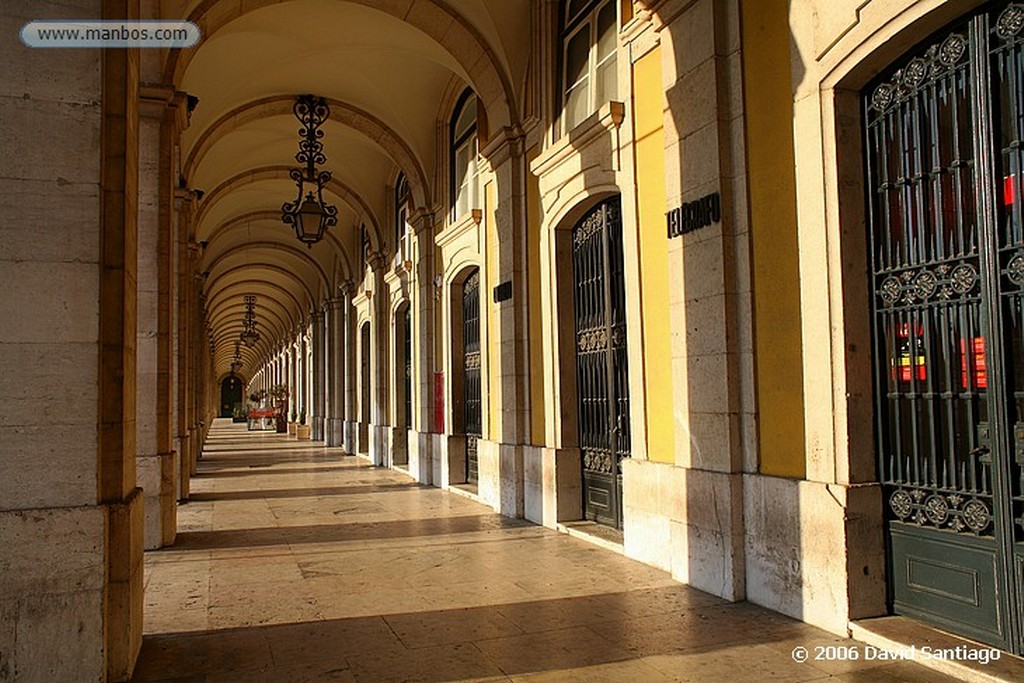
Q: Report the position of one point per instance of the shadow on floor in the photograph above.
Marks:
(474, 643)
(311, 492)
(340, 533)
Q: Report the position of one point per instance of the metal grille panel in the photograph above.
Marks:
(471, 367)
(944, 134)
(601, 359)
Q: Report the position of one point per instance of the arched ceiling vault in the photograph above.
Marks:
(343, 113)
(384, 66)
(335, 189)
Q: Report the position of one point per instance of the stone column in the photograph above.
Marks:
(302, 347)
(163, 116)
(349, 360)
(500, 452)
(293, 379)
(335, 384)
(710, 300)
(379, 342)
(319, 394)
(424, 302)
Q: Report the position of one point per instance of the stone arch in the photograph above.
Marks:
(435, 18)
(272, 267)
(303, 255)
(331, 237)
(341, 112)
(353, 199)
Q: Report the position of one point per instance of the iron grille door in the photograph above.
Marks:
(602, 374)
(942, 287)
(471, 368)
(407, 330)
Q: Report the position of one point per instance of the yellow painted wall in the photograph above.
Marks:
(533, 240)
(772, 190)
(487, 286)
(648, 108)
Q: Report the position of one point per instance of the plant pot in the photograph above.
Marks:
(302, 432)
(291, 428)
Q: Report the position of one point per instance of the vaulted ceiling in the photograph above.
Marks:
(386, 67)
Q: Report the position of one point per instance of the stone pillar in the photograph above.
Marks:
(319, 395)
(380, 326)
(162, 112)
(335, 384)
(424, 302)
(349, 360)
(71, 517)
(293, 380)
(710, 300)
(500, 452)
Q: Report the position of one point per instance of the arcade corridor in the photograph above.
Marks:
(295, 562)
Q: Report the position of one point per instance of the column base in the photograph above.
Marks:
(318, 428)
(552, 485)
(421, 456)
(334, 432)
(379, 447)
(500, 468)
(350, 437)
(158, 477)
(398, 446)
(450, 461)
(53, 593)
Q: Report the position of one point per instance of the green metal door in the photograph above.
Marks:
(944, 132)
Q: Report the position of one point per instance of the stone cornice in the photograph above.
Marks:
(469, 221)
(607, 119)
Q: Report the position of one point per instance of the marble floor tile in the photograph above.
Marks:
(297, 563)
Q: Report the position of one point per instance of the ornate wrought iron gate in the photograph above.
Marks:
(946, 219)
(407, 398)
(471, 367)
(602, 375)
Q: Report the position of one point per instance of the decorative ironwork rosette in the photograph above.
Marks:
(598, 461)
(935, 60)
(590, 225)
(941, 510)
(922, 285)
(594, 340)
(1010, 22)
(1015, 269)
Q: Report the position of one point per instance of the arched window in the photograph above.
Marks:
(401, 207)
(589, 69)
(465, 190)
(401, 218)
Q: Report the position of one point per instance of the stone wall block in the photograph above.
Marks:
(36, 235)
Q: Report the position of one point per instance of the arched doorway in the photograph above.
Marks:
(364, 388)
(946, 233)
(602, 374)
(230, 395)
(471, 403)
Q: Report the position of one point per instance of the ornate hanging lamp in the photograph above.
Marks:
(309, 214)
(249, 335)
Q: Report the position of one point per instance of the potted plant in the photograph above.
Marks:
(302, 431)
(239, 414)
(293, 423)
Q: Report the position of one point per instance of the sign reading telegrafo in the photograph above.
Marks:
(695, 215)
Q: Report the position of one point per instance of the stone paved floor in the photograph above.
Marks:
(296, 563)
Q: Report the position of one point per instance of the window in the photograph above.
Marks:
(401, 218)
(589, 69)
(465, 184)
